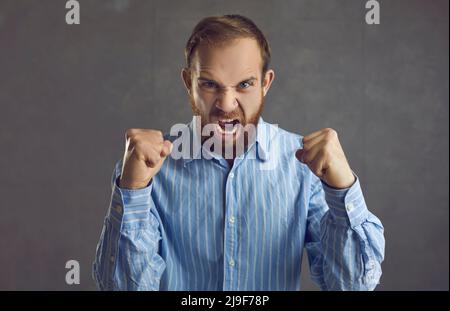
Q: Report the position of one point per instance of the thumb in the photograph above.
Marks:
(166, 149)
(299, 155)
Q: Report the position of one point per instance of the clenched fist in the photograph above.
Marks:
(324, 156)
(145, 152)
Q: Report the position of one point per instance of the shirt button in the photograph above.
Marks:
(231, 263)
(119, 209)
(231, 219)
(111, 258)
(231, 175)
(349, 207)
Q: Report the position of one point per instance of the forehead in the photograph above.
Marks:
(229, 60)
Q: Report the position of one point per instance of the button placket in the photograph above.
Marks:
(230, 244)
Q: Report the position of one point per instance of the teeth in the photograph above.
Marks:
(224, 127)
(226, 121)
(222, 130)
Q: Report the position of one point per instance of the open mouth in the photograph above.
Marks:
(227, 126)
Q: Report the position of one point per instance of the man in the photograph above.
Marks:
(211, 222)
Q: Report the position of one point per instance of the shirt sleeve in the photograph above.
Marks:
(344, 241)
(127, 255)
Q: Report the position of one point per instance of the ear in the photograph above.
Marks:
(267, 82)
(186, 77)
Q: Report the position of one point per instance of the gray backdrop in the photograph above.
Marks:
(67, 94)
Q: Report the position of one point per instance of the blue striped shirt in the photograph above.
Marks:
(205, 225)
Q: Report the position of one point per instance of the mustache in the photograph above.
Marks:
(228, 115)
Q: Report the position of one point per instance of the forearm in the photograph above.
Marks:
(344, 241)
(352, 241)
(127, 256)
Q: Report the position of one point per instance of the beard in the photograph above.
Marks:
(240, 119)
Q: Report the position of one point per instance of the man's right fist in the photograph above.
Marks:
(145, 152)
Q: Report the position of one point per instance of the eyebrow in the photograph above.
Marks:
(252, 78)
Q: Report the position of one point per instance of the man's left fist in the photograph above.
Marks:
(324, 156)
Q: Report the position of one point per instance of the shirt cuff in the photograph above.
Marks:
(347, 204)
(130, 208)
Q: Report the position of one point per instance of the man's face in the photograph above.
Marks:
(226, 86)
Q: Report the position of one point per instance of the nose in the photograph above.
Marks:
(226, 101)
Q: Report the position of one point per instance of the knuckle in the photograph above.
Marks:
(157, 133)
(133, 141)
(136, 153)
(154, 160)
(140, 156)
(331, 132)
(155, 136)
(130, 133)
(138, 144)
(307, 158)
(140, 149)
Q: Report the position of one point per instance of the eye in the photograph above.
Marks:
(245, 84)
(208, 85)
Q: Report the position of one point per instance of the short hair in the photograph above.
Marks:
(216, 30)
